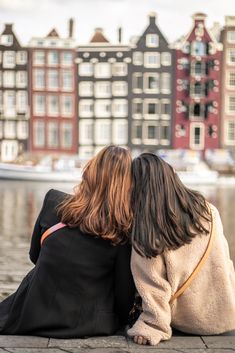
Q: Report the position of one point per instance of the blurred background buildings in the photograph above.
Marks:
(60, 97)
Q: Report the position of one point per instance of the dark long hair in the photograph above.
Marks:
(101, 202)
(166, 213)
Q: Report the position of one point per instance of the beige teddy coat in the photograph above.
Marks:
(208, 304)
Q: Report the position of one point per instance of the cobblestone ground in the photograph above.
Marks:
(116, 344)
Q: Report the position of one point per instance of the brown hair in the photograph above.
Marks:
(166, 214)
(101, 202)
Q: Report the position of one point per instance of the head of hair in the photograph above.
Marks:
(166, 214)
(101, 201)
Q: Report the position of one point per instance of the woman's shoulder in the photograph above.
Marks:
(54, 197)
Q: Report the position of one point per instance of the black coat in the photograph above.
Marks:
(81, 285)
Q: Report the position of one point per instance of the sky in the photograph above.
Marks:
(35, 18)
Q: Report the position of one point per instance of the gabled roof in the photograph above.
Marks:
(98, 36)
(8, 30)
(53, 33)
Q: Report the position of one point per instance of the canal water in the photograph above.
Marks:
(20, 203)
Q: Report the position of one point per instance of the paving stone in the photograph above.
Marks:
(35, 350)
(176, 342)
(219, 341)
(97, 350)
(23, 341)
(93, 342)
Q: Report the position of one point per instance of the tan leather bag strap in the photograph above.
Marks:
(52, 230)
(199, 266)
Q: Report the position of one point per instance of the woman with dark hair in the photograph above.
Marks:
(180, 259)
(81, 254)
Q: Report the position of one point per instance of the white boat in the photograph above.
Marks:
(198, 177)
(41, 172)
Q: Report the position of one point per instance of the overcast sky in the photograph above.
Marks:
(37, 17)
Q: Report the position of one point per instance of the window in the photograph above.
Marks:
(231, 56)
(198, 89)
(120, 132)
(85, 89)
(198, 48)
(21, 57)
(8, 78)
(165, 83)
(137, 108)
(21, 79)
(39, 104)
(10, 129)
(103, 89)
(39, 78)
(22, 101)
(39, 133)
(230, 131)
(197, 136)
(22, 130)
(138, 58)
(53, 134)
(151, 109)
(152, 40)
(151, 59)
(66, 135)
(86, 132)
(52, 79)
(151, 83)
(231, 104)
(67, 80)
(39, 57)
(67, 105)
(120, 108)
(231, 37)
(119, 69)
(8, 59)
(53, 105)
(67, 58)
(165, 109)
(197, 110)
(102, 70)
(136, 132)
(53, 58)
(102, 132)
(166, 59)
(120, 88)
(6, 39)
(85, 69)
(10, 103)
(103, 108)
(198, 68)
(137, 82)
(231, 79)
(1, 129)
(86, 108)
(165, 134)
(150, 133)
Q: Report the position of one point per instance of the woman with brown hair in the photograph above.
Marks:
(81, 254)
(180, 259)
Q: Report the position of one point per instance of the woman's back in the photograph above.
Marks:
(76, 287)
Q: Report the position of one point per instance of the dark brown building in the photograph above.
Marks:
(14, 111)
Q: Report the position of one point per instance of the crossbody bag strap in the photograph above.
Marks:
(199, 266)
(51, 230)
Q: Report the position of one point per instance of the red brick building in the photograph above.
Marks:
(53, 94)
(197, 89)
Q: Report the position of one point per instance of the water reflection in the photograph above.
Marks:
(20, 203)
